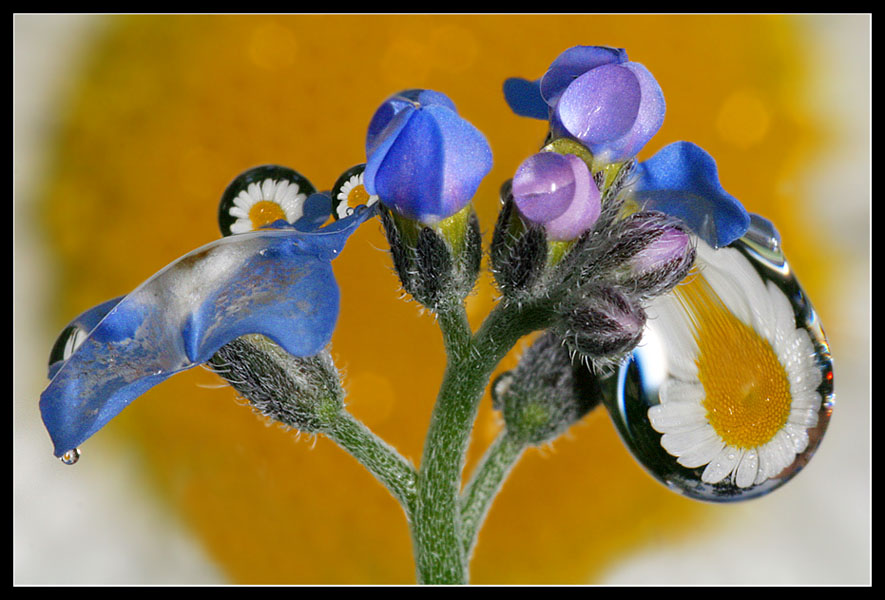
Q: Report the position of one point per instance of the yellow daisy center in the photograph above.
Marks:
(264, 213)
(747, 391)
(357, 196)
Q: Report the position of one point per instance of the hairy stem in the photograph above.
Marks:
(381, 459)
(484, 485)
(437, 527)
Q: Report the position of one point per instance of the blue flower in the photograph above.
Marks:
(423, 160)
(682, 180)
(275, 279)
(595, 95)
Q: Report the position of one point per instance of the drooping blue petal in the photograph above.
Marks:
(76, 331)
(682, 180)
(524, 98)
(275, 282)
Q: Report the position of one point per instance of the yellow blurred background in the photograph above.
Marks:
(128, 128)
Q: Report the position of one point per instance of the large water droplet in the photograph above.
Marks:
(730, 391)
(70, 457)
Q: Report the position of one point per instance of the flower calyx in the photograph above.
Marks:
(546, 393)
(437, 266)
(302, 392)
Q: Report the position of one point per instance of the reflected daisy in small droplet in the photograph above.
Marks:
(350, 191)
(742, 391)
(264, 202)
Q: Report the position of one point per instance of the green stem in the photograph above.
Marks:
(381, 459)
(436, 529)
(484, 485)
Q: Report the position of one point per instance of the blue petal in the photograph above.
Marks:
(317, 210)
(76, 331)
(398, 106)
(682, 180)
(431, 166)
(275, 282)
(524, 98)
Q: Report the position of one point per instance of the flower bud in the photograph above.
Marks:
(546, 393)
(602, 326)
(595, 95)
(303, 392)
(557, 192)
(424, 161)
(613, 109)
(652, 253)
(518, 252)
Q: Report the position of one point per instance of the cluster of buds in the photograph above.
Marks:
(567, 237)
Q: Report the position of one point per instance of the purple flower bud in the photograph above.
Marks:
(613, 109)
(557, 192)
(595, 95)
(603, 327)
(671, 246)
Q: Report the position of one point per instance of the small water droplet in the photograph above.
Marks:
(667, 401)
(70, 457)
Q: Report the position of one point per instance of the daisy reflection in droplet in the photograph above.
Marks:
(742, 392)
(350, 191)
(262, 203)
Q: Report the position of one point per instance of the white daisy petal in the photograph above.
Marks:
(674, 390)
(280, 191)
(238, 212)
(745, 474)
(244, 200)
(241, 226)
(676, 416)
(683, 442)
(670, 318)
(798, 436)
(722, 466)
(254, 192)
(703, 453)
(268, 187)
(807, 417)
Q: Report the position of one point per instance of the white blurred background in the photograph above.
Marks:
(76, 526)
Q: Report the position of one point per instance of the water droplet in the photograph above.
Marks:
(730, 391)
(70, 457)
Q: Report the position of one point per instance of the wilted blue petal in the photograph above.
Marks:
(76, 331)
(275, 282)
(682, 180)
(427, 163)
(524, 98)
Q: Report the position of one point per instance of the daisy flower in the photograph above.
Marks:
(264, 202)
(350, 192)
(741, 393)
